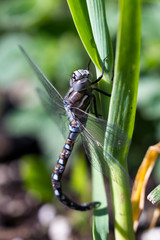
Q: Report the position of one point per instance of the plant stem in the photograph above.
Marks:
(123, 108)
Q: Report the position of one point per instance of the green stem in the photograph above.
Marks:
(123, 108)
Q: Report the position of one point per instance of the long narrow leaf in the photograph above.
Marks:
(154, 196)
(102, 40)
(123, 107)
(80, 16)
(97, 16)
(98, 48)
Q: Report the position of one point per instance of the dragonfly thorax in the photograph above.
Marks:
(80, 80)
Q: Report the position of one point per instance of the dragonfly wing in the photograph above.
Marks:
(51, 98)
(54, 110)
(97, 128)
(100, 158)
(51, 90)
(95, 153)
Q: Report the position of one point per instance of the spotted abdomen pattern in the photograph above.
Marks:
(60, 167)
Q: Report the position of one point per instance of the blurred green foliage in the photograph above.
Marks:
(45, 29)
(35, 176)
(26, 13)
(77, 183)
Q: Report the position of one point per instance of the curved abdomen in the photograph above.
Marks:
(59, 169)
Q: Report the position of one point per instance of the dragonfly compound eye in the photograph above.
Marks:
(80, 74)
(80, 80)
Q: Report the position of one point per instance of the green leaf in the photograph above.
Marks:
(97, 16)
(82, 23)
(154, 196)
(123, 108)
(89, 32)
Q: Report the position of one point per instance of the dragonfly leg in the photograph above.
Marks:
(57, 176)
(100, 77)
(101, 91)
(95, 107)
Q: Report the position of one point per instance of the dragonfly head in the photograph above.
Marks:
(80, 80)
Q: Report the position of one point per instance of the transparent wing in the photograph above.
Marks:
(51, 98)
(92, 135)
(95, 153)
(51, 90)
(97, 128)
(55, 111)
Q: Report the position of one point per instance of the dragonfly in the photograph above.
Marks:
(73, 111)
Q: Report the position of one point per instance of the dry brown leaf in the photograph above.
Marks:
(143, 174)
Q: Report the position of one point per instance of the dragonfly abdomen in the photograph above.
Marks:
(60, 167)
(62, 161)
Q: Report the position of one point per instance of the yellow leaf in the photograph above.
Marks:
(143, 174)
